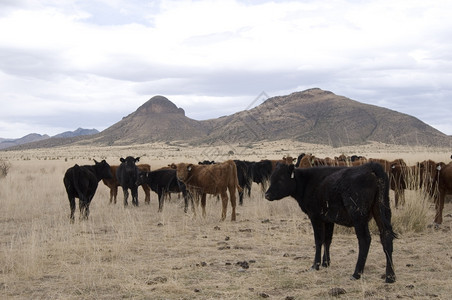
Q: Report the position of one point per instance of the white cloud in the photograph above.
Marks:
(102, 59)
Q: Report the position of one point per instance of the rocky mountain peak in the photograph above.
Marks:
(159, 105)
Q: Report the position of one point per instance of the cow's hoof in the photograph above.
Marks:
(390, 279)
(355, 277)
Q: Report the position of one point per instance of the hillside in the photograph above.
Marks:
(312, 116)
(317, 116)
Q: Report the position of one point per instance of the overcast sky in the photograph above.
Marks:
(69, 64)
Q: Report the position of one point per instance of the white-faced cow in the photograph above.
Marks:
(162, 182)
(81, 182)
(215, 179)
(127, 174)
(348, 196)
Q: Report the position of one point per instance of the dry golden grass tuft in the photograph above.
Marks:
(138, 253)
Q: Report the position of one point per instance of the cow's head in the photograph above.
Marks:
(142, 178)
(282, 182)
(183, 171)
(103, 169)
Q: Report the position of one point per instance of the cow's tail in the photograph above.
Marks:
(235, 178)
(383, 198)
(77, 175)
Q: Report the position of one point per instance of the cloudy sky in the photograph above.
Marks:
(88, 63)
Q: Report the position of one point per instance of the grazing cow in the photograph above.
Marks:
(245, 177)
(443, 183)
(341, 195)
(261, 172)
(81, 182)
(113, 183)
(127, 174)
(162, 182)
(211, 179)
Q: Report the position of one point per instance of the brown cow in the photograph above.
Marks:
(213, 179)
(113, 183)
(287, 160)
(395, 181)
(442, 182)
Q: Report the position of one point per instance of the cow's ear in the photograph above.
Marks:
(190, 166)
(122, 159)
(137, 159)
(95, 161)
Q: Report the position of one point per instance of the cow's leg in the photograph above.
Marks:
(203, 204)
(115, 193)
(135, 195)
(147, 192)
(72, 206)
(224, 205)
(386, 238)
(439, 206)
(161, 196)
(364, 239)
(318, 227)
(241, 197)
(83, 204)
(126, 195)
(233, 201)
(329, 227)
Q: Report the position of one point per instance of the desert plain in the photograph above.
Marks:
(138, 253)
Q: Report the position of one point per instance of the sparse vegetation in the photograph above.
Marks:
(140, 253)
(4, 168)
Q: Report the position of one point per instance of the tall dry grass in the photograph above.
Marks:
(142, 254)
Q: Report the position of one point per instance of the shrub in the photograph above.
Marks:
(4, 168)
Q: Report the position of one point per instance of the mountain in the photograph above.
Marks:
(312, 116)
(317, 116)
(43, 141)
(29, 138)
(77, 132)
(156, 120)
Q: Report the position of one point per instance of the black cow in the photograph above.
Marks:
(299, 158)
(127, 174)
(81, 182)
(261, 172)
(345, 196)
(245, 177)
(164, 181)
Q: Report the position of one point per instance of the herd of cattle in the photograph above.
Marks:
(345, 190)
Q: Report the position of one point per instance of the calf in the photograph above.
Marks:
(211, 179)
(81, 182)
(113, 183)
(164, 181)
(348, 196)
(127, 174)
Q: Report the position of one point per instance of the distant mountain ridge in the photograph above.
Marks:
(77, 132)
(35, 137)
(312, 116)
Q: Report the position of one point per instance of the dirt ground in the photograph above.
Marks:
(139, 253)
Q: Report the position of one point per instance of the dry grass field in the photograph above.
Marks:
(138, 253)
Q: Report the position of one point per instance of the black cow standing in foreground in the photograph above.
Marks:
(127, 174)
(345, 196)
(81, 182)
(164, 181)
